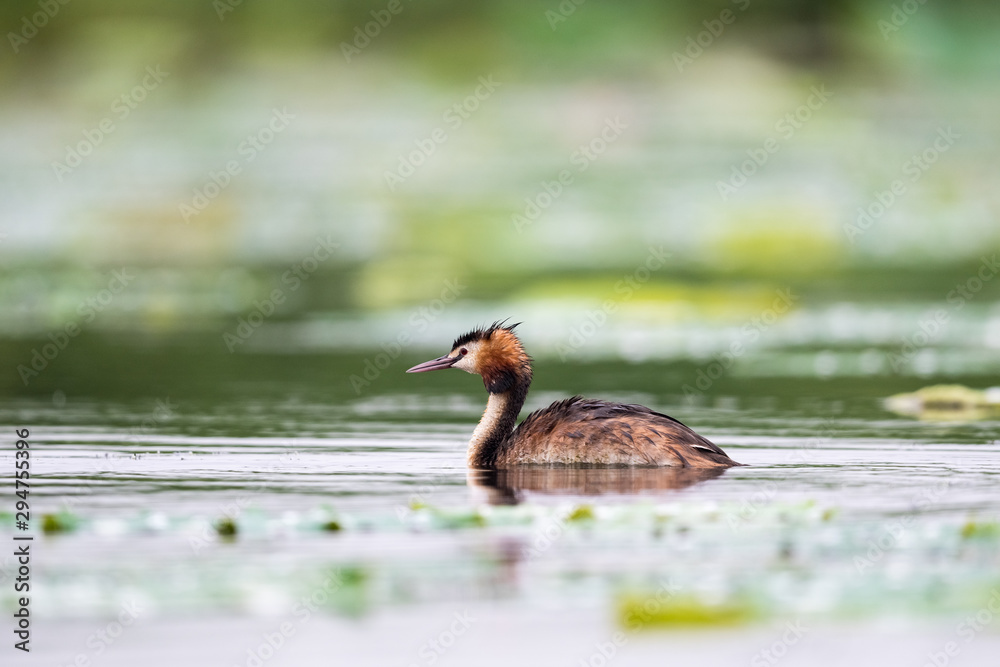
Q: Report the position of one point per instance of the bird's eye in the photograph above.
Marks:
(463, 352)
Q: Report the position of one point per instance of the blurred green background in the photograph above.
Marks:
(249, 163)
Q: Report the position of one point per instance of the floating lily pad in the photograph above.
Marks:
(641, 612)
(947, 402)
(226, 528)
(60, 522)
(981, 530)
(581, 513)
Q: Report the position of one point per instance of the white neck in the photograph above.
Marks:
(495, 407)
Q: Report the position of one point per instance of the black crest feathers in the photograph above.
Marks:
(483, 333)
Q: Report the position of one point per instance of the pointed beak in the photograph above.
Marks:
(434, 364)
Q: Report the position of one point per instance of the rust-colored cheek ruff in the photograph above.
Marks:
(573, 431)
(502, 361)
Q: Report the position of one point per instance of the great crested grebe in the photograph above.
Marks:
(574, 431)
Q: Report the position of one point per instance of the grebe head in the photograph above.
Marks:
(494, 352)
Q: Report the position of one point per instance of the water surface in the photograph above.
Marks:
(843, 512)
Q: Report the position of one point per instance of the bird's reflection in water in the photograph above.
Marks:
(508, 486)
